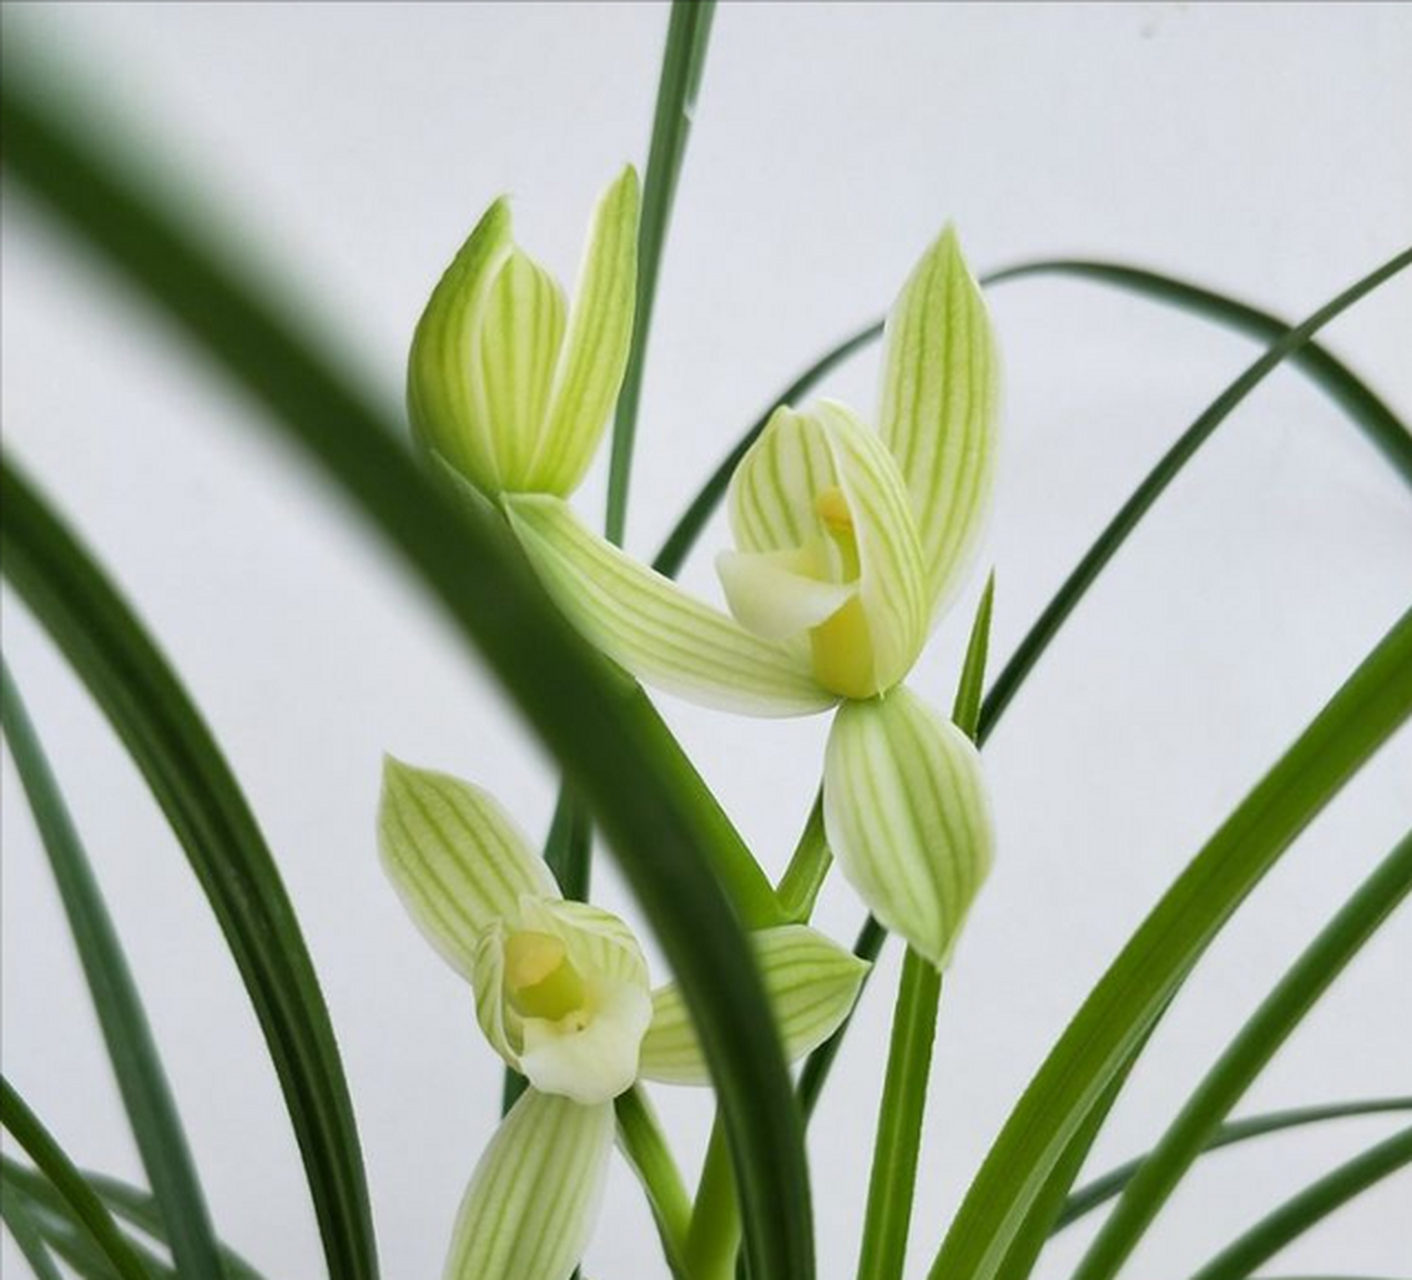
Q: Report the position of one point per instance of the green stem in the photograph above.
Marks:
(899, 1135)
(714, 1239)
(688, 31)
(645, 1147)
(798, 889)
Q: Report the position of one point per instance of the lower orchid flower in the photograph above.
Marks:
(563, 996)
(849, 541)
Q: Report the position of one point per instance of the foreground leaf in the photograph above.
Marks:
(629, 770)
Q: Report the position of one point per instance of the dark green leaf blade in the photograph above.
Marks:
(1249, 1052)
(1331, 1192)
(192, 782)
(152, 1113)
(1133, 993)
(625, 765)
(68, 1183)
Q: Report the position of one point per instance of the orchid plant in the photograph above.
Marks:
(852, 537)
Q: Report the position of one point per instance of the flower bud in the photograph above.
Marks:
(506, 384)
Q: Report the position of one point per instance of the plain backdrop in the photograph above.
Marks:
(347, 149)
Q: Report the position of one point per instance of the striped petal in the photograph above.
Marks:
(906, 815)
(455, 858)
(445, 399)
(940, 405)
(517, 348)
(595, 354)
(533, 1200)
(650, 626)
(811, 982)
(822, 484)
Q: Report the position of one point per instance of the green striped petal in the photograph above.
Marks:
(530, 1209)
(822, 486)
(512, 368)
(940, 405)
(595, 354)
(907, 817)
(811, 982)
(456, 859)
(445, 397)
(649, 625)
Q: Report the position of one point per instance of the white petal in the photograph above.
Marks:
(940, 407)
(533, 1200)
(773, 594)
(907, 818)
(595, 1062)
(653, 628)
(811, 982)
(456, 859)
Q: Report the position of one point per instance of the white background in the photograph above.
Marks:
(1261, 149)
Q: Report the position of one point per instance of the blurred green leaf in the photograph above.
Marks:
(627, 767)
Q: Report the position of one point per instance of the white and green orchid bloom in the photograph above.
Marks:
(563, 996)
(506, 384)
(849, 542)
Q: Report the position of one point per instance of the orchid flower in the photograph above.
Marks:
(849, 543)
(563, 996)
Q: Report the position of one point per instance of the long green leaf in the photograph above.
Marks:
(688, 33)
(1331, 1192)
(898, 1145)
(39, 1144)
(1103, 1188)
(1248, 1053)
(628, 768)
(642, 1142)
(142, 1082)
(192, 782)
(1132, 994)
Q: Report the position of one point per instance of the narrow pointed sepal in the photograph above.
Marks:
(529, 1211)
(811, 983)
(651, 627)
(940, 406)
(907, 817)
(456, 859)
(595, 352)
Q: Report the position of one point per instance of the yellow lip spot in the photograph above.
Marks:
(540, 980)
(832, 508)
